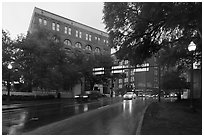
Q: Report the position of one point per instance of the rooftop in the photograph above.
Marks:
(68, 21)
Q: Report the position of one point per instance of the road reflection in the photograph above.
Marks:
(27, 119)
(86, 108)
(17, 123)
(127, 106)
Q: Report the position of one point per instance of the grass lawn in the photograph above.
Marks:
(172, 118)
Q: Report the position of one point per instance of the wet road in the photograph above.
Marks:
(17, 121)
(106, 117)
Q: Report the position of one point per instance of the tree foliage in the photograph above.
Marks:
(9, 56)
(42, 62)
(173, 81)
(139, 30)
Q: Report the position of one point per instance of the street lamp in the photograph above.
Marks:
(9, 80)
(191, 48)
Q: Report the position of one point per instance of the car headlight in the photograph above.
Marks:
(76, 96)
(85, 96)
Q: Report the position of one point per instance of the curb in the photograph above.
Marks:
(141, 121)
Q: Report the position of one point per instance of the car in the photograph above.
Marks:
(81, 97)
(89, 96)
(129, 95)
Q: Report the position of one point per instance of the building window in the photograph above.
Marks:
(99, 39)
(126, 73)
(53, 26)
(132, 72)
(45, 22)
(120, 81)
(126, 62)
(77, 33)
(96, 38)
(121, 63)
(55, 39)
(78, 45)
(70, 31)
(58, 27)
(40, 21)
(88, 47)
(80, 34)
(65, 30)
(104, 41)
(126, 80)
(97, 50)
(132, 79)
(67, 42)
(87, 36)
(120, 86)
(155, 72)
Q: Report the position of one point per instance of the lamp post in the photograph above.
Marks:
(191, 48)
(9, 80)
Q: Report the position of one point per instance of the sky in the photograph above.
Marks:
(16, 16)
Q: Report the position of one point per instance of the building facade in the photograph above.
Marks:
(73, 34)
(143, 78)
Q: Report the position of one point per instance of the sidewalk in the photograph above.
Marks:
(172, 118)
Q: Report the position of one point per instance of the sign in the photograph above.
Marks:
(117, 69)
(98, 71)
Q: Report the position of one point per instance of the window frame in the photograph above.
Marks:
(58, 27)
(77, 33)
(40, 21)
(70, 31)
(78, 45)
(45, 22)
(53, 26)
(65, 29)
(67, 42)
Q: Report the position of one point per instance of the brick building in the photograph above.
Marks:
(141, 79)
(75, 36)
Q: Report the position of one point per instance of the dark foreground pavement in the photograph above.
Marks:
(172, 118)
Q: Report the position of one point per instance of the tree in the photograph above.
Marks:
(44, 63)
(9, 56)
(86, 64)
(172, 81)
(140, 30)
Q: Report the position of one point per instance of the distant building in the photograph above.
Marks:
(144, 79)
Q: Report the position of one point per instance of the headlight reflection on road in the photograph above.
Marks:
(85, 107)
(127, 105)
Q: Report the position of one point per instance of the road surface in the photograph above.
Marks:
(107, 117)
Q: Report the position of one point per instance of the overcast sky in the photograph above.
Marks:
(16, 16)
